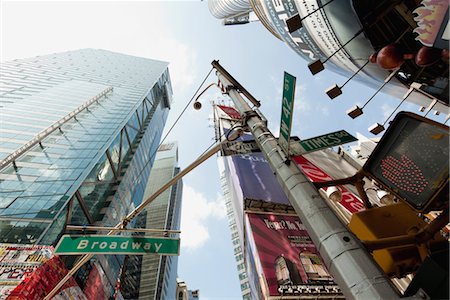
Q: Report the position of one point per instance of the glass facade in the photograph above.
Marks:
(154, 277)
(78, 137)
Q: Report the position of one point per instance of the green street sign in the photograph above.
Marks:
(113, 244)
(287, 107)
(327, 141)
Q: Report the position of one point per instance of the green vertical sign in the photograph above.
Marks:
(287, 107)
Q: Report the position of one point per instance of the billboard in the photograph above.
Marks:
(31, 272)
(286, 258)
(230, 111)
(432, 23)
(96, 286)
(257, 180)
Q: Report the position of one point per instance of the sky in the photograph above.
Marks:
(187, 36)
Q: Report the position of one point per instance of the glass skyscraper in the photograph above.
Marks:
(151, 276)
(79, 132)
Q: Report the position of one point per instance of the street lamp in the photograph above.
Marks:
(334, 194)
(197, 104)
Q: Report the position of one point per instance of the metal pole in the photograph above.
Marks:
(134, 213)
(352, 266)
(100, 228)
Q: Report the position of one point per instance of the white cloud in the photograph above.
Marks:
(197, 211)
(325, 111)
(182, 60)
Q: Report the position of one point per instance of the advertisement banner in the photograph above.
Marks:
(432, 23)
(96, 286)
(290, 263)
(349, 200)
(31, 271)
(230, 111)
(257, 180)
(18, 262)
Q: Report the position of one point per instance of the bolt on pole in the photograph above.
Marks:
(352, 266)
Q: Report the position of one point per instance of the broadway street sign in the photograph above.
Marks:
(111, 244)
(327, 141)
(287, 107)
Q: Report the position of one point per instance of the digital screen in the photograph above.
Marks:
(412, 159)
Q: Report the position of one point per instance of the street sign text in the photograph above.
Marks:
(287, 107)
(110, 244)
(327, 141)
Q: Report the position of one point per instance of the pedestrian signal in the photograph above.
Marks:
(412, 160)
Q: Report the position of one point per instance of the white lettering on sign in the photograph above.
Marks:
(281, 225)
(349, 200)
(284, 128)
(83, 244)
(124, 245)
(157, 247)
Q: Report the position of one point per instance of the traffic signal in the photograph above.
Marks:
(412, 162)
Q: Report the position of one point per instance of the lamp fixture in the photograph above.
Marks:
(294, 22)
(383, 196)
(197, 104)
(317, 65)
(356, 111)
(334, 194)
(377, 127)
(335, 90)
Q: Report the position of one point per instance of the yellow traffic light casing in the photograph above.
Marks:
(392, 221)
(411, 161)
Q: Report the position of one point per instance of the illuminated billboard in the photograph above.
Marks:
(286, 259)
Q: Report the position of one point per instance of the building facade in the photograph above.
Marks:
(150, 276)
(78, 138)
(183, 293)
(370, 40)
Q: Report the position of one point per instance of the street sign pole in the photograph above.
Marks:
(352, 266)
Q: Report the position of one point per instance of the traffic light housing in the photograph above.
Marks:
(412, 162)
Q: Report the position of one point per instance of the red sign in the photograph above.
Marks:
(31, 272)
(349, 200)
(42, 281)
(230, 111)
